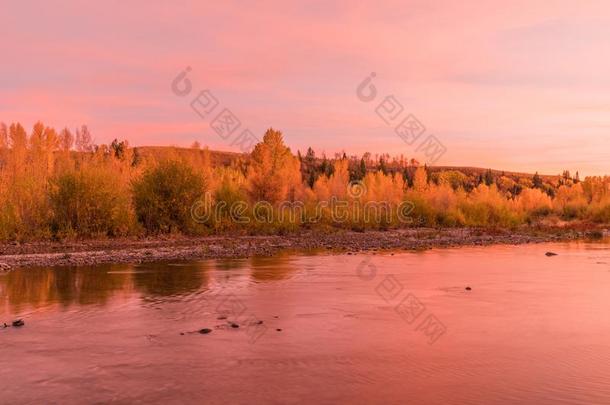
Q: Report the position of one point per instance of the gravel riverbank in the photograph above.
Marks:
(92, 252)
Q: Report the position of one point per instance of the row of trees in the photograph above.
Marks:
(62, 185)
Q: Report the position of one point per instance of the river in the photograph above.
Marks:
(315, 327)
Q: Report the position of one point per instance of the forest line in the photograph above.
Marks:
(58, 185)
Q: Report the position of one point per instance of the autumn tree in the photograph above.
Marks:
(274, 173)
(3, 136)
(66, 140)
(84, 141)
(420, 179)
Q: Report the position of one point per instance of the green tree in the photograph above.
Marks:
(488, 178)
(537, 180)
(119, 148)
(164, 196)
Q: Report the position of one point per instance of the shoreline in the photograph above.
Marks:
(115, 251)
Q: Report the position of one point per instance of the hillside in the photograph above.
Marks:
(224, 158)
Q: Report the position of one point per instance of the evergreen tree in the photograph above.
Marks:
(382, 166)
(537, 180)
(489, 178)
(362, 168)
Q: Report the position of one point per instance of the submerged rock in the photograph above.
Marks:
(18, 322)
(205, 331)
(234, 325)
(468, 289)
(550, 254)
(4, 267)
(279, 329)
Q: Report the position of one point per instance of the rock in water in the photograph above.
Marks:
(4, 267)
(468, 289)
(18, 322)
(234, 325)
(550, 254)
(205, 331)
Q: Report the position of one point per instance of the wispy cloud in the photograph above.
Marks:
(478, 73)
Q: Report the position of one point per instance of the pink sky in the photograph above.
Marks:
(514, 85)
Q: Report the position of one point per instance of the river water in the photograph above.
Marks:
(315, 328)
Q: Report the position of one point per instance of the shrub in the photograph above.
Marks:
(164, 196)
(8, 222)
(601, 213)
(90, 202)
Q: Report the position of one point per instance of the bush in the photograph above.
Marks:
(423, 214)
(601, 213)
(164, 196)
(8, 221)
(573, 210)
(90, 202)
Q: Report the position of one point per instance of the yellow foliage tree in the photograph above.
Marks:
(274, 173)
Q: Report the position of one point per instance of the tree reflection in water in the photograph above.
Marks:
(35, 288)
(39, 287)
(272, 268)
(164, 280)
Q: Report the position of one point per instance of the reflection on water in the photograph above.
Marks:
(278, 267)
(158, 280)
(40, 287)
(532, 329)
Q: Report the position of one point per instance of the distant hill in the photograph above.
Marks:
(218, 158)
(476, 171)
(223, 158)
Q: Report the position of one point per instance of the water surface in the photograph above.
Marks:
(384, 328)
